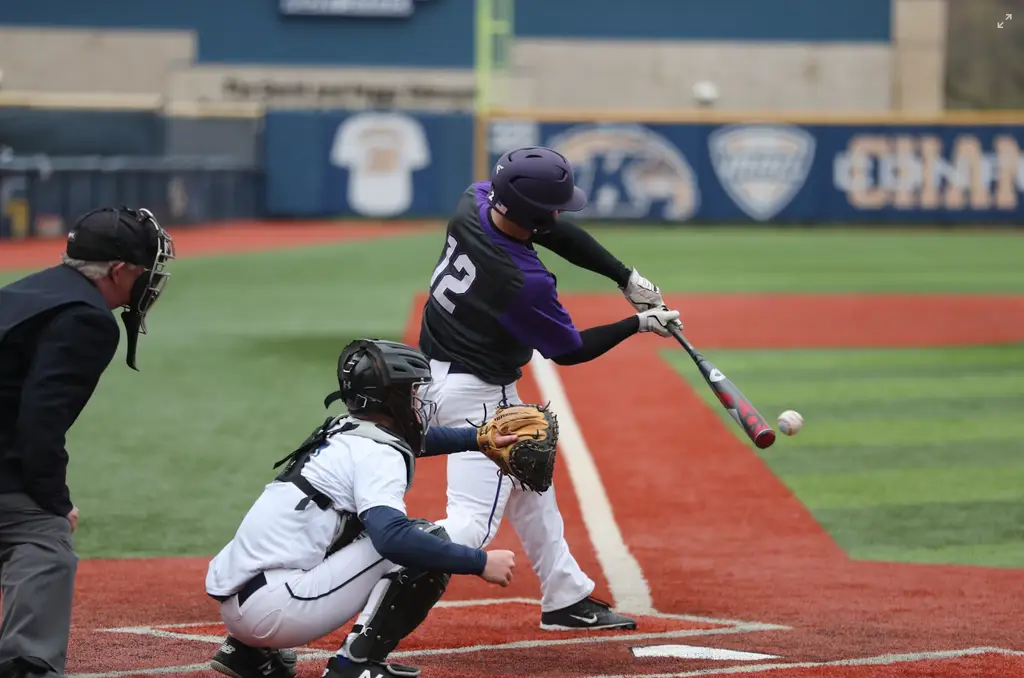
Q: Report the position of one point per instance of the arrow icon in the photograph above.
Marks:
(999, 25)
(1009, 16)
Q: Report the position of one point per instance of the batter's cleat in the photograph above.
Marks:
(339, 667)
(238, 660)
(588, 614)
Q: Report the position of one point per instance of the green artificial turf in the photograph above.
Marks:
(242, 350)
(909, 455)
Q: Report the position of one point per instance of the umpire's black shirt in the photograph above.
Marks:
(57, 336)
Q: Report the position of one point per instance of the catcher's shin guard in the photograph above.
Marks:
(399, 603)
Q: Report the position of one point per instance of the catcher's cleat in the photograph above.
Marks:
(588, 614)
(339, 667)
(238, 660)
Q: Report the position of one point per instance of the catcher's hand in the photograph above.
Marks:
(531, 458)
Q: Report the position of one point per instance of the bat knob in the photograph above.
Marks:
(765, 439)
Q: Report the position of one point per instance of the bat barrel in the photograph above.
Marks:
(764, 439)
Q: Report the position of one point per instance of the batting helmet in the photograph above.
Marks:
(530, 184)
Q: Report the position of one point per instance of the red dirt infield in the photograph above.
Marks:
(730, 558)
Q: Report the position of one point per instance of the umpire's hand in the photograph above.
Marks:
(73, 518)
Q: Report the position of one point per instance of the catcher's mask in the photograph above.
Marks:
(385, 377)
(134, 237)
(530, 185)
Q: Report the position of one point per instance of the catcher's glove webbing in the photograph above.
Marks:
(531, 459)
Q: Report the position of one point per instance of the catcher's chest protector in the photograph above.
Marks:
(350, 528)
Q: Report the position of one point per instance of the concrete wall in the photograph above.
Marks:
(549, 73)
(92, 60)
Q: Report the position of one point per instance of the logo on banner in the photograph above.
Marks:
(380, 152)
(915, 171)
(629, 172)
(762, 168)
(390, 9)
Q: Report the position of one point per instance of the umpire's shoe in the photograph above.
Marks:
(238, 660)
(340, 667)
(588, 614)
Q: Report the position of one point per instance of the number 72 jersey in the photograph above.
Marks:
(492, 302)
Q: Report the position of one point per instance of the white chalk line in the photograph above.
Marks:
(879, 660)
(625, 577)
(314, 655)
(169, 631)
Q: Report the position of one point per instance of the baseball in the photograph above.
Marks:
(790, 422)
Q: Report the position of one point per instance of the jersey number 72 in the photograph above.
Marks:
(454, 276)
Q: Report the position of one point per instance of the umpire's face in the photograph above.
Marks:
(117, 285)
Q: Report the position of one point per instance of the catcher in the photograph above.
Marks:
(330, 537)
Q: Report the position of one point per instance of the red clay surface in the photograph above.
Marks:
(224, 238)
(715, 532)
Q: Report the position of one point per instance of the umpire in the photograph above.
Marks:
(57, 336)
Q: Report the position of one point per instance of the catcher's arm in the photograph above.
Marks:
(443, 440)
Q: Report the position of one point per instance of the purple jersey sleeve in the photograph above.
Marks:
(538, 319)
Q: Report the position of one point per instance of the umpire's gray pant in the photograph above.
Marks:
(37, 577)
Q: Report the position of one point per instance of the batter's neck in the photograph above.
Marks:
(507, 227)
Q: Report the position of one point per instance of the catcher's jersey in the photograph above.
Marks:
(492, 301)
(285, 530)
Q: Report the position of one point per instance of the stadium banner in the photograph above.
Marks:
(895, 172)
(366, 164)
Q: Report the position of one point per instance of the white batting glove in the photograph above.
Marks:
(658, 320)
(642, 293)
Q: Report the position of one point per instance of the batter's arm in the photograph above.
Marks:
(578, 247)
(599, 340)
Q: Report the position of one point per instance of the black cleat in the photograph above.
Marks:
(336, 669)
(238, 660)
(588, 614)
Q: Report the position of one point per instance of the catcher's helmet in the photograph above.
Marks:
(384, 377)
(530, 184)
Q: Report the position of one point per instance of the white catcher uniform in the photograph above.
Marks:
(308, 594)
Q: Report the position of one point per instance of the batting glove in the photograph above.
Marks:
(642, 293)
(658, 320)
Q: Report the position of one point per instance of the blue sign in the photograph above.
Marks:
(786, 173)
(389, 164)
(360, 8)
(373, 164)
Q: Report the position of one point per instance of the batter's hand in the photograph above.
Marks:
(73, 518)
(498, 569)
(642, 293)
(658, 320)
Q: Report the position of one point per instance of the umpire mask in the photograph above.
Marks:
(149, 286)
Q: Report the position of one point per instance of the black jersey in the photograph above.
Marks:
(492, 302)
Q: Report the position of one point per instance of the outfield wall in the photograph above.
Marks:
(713, 169)
(710, 169)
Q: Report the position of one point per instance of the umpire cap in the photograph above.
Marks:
(110, 234)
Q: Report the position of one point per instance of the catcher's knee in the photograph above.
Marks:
(404, 605)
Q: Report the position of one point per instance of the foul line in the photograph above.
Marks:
(625, 578)
(860, 661)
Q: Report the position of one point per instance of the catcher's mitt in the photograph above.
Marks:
(531, 459)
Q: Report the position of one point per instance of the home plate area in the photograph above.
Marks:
(462, 639)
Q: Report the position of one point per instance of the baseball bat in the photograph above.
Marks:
(734, 402)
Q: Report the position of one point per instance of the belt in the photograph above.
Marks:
(248, 588)
(458, 368)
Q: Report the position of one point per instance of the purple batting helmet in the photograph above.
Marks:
(530, 184)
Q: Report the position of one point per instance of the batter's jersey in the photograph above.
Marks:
(285, 530)
(492, 302)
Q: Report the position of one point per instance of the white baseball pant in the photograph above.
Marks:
(296, 607)
(478, 496)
